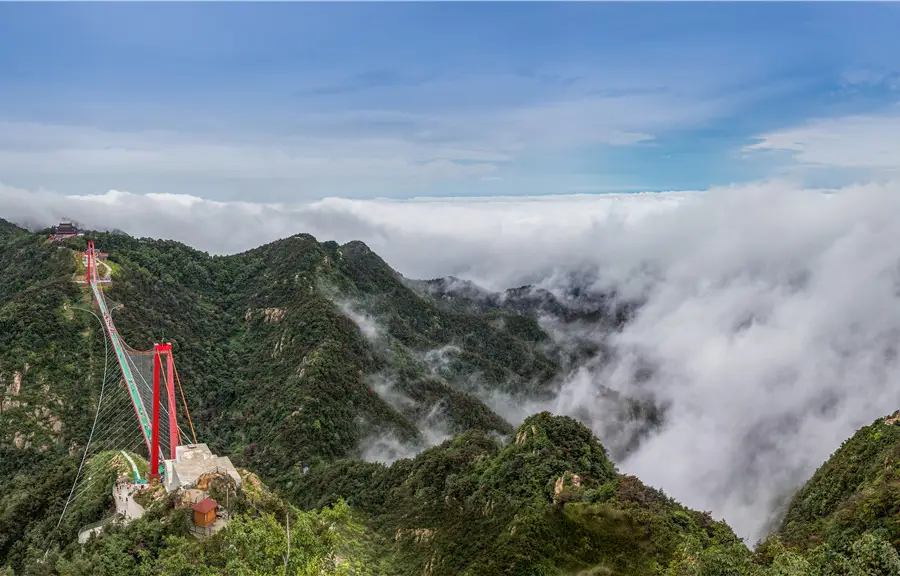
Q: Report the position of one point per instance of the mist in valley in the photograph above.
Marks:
(764, 330)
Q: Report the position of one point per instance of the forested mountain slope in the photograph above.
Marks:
(855, 491)
(47, 349)
(277, 322)
(350, 348)
(549, 501)
(296, 354)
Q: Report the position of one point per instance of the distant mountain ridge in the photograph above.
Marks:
(575, 304)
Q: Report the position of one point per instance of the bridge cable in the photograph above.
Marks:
(96, 414)
(184, 402)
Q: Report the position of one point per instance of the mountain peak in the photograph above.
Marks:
(356, 248)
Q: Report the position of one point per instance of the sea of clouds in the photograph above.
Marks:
(771, 313)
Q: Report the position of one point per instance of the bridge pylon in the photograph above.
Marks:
(160, 351)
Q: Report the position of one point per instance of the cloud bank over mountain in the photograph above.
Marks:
(422, 238)
(770, 319)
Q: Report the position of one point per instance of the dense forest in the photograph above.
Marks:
(295, 355)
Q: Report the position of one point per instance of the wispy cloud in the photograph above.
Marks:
(365, 322)
(387, 448)
(487, 233)
(349, 153)
(865, 141)
(612, 95)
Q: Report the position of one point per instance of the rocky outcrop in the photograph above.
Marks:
(269, 315)
(279, 346)
(522, 435)
(273, 315)
(418, 535)
(12, 391)
(567, 488)
(19, 441)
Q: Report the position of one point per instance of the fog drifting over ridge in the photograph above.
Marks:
(422, 238)
(771, 316)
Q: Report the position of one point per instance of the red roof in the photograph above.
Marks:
(204, 506)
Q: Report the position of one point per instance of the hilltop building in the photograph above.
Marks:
(65, 230)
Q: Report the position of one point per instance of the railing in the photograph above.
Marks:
(219, 470)
(137, 476)
(98, 524)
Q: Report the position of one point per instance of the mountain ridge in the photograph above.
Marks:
(295, 353)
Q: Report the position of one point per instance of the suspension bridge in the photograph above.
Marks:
(137, 412)
(142, 374)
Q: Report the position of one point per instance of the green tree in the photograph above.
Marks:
(873, 556)
(261, 547)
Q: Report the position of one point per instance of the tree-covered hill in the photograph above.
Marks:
(349, 348)
(856, 491)
(48, 347)
(573, 305)
(297, 353)
(548, 502)
(8, 228)
(319, 327)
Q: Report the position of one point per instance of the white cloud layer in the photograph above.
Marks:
(772, 313)
(489, 239)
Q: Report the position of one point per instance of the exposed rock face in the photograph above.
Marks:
(205, 480)
(16, 385)
(419, 535)
(429, 567)
(273, 315)
(183, 499)
(279, 346)
(12, 390)
(522, 436)
(270, 315)
(566, 485)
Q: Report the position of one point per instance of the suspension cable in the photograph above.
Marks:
(96, 414)
(135, 351)
(183, 401)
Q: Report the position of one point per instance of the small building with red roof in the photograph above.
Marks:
(205, 512)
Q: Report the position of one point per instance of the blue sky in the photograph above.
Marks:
(291, 102)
